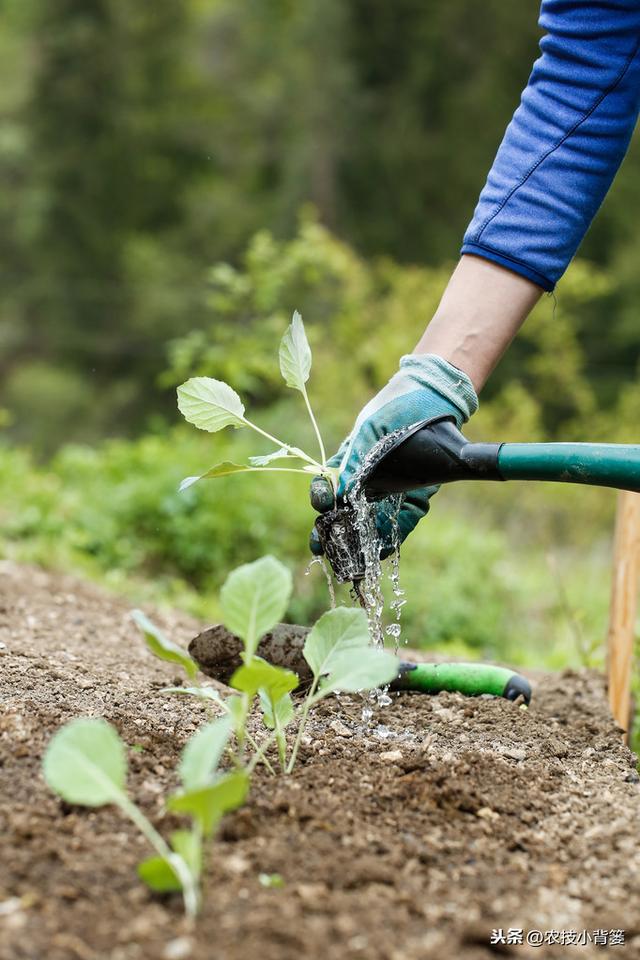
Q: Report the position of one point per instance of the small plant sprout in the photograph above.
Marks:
(212, 405)
(342, 660)
(165, 649)
(253, 599)
(85, 763)
(162, 647)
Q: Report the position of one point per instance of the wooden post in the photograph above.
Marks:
(622, 613)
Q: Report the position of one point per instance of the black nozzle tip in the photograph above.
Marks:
(518, 686)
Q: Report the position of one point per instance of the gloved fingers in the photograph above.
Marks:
(321, 492)
(355, 450)
(420, 498)
(392, 525)
(321, 495)
(394, 529)
(336, 459)
(314, 543)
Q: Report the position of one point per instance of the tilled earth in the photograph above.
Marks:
(411, 839)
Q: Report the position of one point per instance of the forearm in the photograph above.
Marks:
(565, 142)
(480, 313)
(558, 158)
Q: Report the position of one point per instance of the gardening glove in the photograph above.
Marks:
(426, 386)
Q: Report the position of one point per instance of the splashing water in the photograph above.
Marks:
(370, 590)
(370, 542)
(320, 561)
(394, 629)
(353, 544)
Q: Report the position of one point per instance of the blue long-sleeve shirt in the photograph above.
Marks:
(565, 142)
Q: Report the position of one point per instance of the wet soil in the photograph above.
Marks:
(409, 840)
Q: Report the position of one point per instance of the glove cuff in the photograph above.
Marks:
(438, 374)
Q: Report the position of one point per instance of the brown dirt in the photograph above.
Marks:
(218, 651)
(468, 815)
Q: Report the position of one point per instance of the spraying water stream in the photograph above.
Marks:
(353, 535)
(321, 562)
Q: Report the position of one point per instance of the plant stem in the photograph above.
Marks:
(251, 740)
(281, 740)
(182, 871)
(280, 443)
(323, 455)
(280, 469)
(265, 760)
(257, 757)
(303, 719)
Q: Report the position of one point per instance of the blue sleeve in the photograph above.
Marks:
(565, 142)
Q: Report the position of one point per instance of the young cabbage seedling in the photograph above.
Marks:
(212, 404)
(85, 763)
(253, 599)
(165, 649)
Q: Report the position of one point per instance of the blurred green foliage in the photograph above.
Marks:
(140, 145)
(507, 571)
(114, 513)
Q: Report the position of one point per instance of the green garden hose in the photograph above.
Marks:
(472, 679)
(599, 464)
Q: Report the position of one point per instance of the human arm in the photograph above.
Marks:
(552, 171)
(554, 166)
(481, 310)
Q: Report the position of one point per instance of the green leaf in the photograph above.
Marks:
(187, 845)
(295, 355)
(210, 404)
(254, 598)
(280, 712)
(238, 713)
(85, 763)
(161, 646)
(224, 469)
(360, 670)
(159, 875)
(338, 649)
(202, 753)
(273, 881)
(267, 458)
(208, 804)
(260, 675)
(338, 630)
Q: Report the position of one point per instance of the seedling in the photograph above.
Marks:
(253, 599)
(212, 404)
(272, 881)
(85, 763)
(165, 649)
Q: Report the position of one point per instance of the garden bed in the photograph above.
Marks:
(447, 818)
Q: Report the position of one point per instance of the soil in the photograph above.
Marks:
(217, 651)
(408, 840)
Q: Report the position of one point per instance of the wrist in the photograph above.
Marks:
(480, 312)
(434, 372)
